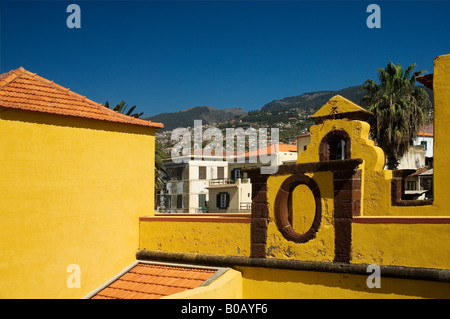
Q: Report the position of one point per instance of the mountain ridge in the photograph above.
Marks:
(304, 105)
(186, 117)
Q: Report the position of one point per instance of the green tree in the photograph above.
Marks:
(122, 108)
(400, 108)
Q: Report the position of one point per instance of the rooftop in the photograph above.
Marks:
(426, 80)
(426, 130)
(153, 281)
(275, 148)
(21, 89)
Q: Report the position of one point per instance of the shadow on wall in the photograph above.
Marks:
(313, 284)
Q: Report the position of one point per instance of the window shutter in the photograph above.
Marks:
(228, 200)
(202, 172)
(218, 200)
(220, 172)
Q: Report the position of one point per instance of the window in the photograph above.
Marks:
(202, 172)
(411, 186)
(179, 201)
(220, 173)
(340, 150)
(424, 143)
(167, 201)
(235, 174)
(202, 200)
(223, 200)
(179, 173)
(335, 145)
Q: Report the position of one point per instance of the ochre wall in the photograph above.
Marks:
(441, 90)
(72, 191)
(289, 284)
(196, 234)
(416, 245)
(227, 286)
(319, 249)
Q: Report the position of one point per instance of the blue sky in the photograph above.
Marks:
(165, 56)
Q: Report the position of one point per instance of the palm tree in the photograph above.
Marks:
(400, 108)
(122, 108)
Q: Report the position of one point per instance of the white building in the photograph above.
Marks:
(425, 137)
(185, 188)
(302, 142)
(420, 154)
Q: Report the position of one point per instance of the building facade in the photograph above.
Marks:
(186, 185)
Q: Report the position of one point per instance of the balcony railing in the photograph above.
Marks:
(228, 181)
(243, 208)
(221, 181)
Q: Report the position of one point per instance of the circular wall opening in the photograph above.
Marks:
(288, 205)
(301, 209)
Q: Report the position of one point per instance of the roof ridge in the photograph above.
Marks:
(7, 78)
(10, 76)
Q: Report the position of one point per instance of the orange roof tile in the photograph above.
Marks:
(21, 89)
(426, 130)
(151, 281)
(278, 148)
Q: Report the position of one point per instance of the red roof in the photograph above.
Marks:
(149, 281)
(276, 148)
(426, 80)
(21, 89)
(426, 130)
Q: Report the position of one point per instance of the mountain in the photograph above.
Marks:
(185, 118)
(312, 101)
(306, 103)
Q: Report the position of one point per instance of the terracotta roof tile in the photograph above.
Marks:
(277, 148)
(149, 281)
(21, 89)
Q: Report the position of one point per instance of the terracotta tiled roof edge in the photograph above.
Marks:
(9, 77)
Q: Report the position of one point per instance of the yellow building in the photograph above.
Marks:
(75, 178)
(333, 225)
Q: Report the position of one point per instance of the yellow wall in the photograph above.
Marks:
(72, 193)
(415, 245)
(210, 237)
(269, 283)
(441, 90)
(322, 247)
(227, 286)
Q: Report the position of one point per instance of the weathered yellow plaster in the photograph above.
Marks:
(266, 283)
(227, 286)
(415, 245)
(232, 239)
(338, 105)
(319, 249)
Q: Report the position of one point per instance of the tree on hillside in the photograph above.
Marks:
(400, 108)
(122, 108)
